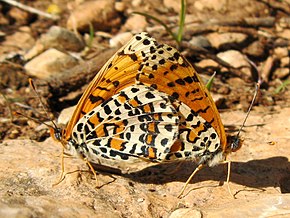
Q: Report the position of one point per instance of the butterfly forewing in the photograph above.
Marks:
(167, 71)
(119, 72)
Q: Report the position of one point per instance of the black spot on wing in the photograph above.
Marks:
(116, 83)
(133, 57)
(95, 99)
(146, 42)
(173, 67)
(149, 95)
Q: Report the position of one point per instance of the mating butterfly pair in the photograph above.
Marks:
(147, 102)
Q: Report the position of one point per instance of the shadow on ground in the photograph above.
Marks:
(270, 172)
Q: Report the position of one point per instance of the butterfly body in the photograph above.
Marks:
(147, 102)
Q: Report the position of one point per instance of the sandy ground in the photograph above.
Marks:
(259, 179)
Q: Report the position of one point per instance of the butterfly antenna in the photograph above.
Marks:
(16, 113)
(250, 108)
(31, 83)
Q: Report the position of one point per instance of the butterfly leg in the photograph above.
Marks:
(61, 178)
(198, 168)
(93, 170)
(228, 177)
(63, 175)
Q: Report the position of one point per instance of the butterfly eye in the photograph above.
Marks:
(56, 133)
(236, 144)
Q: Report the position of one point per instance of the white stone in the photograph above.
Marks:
(234, 58)
(49, 63)
(216, 5)
(207, 63)
(65, 115)
(281, 52)
(284, 34)
(186, 213)
(285, 62)
(120, 39)
(135, 23)
(220, 39)
(56, 37)
(120, 6)
(281, 73)
(200, 41)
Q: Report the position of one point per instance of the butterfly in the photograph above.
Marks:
(147, 102)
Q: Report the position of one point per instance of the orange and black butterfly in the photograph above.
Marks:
(147, 102)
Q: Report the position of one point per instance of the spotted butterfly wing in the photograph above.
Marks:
(197, 139)
(137, 122)
(142, 60)
(118, 73)
(179, 80)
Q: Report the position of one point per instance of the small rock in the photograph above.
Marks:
(120, 39)
(136, 3)
(205, 63)
(226, 40)
(200, 41)
(120, 6)
(50, 62)
(2, 34)
(140, 200)
(186, 213)
(172, 4)
(255, 49)
(56, 37)
(281, 52)
(284, 34)
(135, 23)
(234, 58)
(283, 23)
(281, 73)
(101, 14)
(65, 115)
(285, 62)
(14, 134)
(216, 5)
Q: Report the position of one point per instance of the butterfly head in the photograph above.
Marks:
(57, 134)
(234, 144)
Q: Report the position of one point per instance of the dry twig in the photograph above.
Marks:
(31, 9)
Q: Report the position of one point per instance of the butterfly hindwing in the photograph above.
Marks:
(196, 139)
(137, 122)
